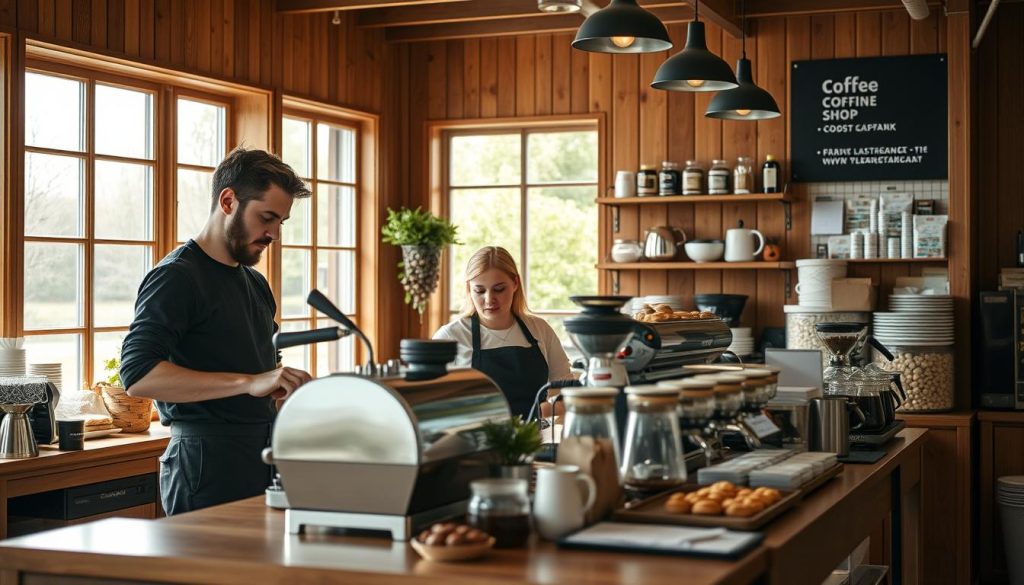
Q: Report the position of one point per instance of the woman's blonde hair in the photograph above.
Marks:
(494, 257)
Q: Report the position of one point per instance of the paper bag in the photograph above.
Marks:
(596, 458)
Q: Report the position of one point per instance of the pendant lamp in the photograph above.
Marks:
(695, 68)
(748, 101)
(622, 27)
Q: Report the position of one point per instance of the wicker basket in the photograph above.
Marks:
(130, 413)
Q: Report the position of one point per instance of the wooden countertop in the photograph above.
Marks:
(244, 543)
(95, 449)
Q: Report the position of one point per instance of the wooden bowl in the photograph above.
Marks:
(452, 554)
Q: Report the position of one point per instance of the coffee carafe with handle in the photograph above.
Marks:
(739, 244)
(662, 243)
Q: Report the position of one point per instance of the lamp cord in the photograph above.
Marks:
(696, 11)
(743, 7)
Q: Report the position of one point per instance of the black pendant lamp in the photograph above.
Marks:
(748, 101)
(622, 27)
(695, 68)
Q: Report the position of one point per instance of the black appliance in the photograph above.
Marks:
(999, 357)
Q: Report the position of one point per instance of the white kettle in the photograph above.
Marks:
(739, 244)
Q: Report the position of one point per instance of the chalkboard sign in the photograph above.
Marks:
(870, 119)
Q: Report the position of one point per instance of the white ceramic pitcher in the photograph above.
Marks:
(739, 244)
(559, 505)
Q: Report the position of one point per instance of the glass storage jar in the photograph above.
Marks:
(718, 177)
(693, 178)
(653, 458)
(590, 412)
(927, 375)
(756, 388)
(728, 394)
(670, 179)
(646, 181)
(743, 175)
(501, 508)
(696, 403)
(801, 322)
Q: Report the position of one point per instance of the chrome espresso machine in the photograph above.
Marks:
(388, 451)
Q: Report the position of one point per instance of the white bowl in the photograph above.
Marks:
(705, 250)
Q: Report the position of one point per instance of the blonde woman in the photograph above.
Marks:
(499, 336)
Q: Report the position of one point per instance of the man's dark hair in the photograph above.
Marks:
(249, 173)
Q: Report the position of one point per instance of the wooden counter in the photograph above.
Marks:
(114, 457)
(244, 543)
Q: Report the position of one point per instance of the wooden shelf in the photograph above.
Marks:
(897, 260)
(696, 265)
(656, 200)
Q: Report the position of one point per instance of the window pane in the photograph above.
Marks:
(54, 195)
(296, 229)
(54, 112)
(124, 201)
(336, 356)
(194, 201)
(336, 278)
(104, 347)
(124, 122)
(202, 133)
(294, 282)
(336, 216)
(53, 285)
(295, 145)
(562, 157)
(296, 356)
(560, 262)
(65, 350)
(490, 159)
(335, 153)
(473, 211)
(118, 271)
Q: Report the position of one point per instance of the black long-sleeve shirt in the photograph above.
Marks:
(203, 315)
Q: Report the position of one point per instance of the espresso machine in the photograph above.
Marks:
(390, 451)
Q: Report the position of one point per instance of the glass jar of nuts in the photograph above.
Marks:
(927, 375)
(501, 508)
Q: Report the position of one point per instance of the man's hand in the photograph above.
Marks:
(278, 383)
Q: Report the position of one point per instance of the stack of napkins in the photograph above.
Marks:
(794, 472)
(664, 539)
(738, 469)
(794, 395)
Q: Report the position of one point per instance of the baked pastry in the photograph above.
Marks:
(678, 506)
(707, 508)
(741, 510)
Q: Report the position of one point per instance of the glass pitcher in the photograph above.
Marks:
(653, 458)
(590, 412)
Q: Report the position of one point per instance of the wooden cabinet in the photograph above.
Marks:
(1002, 453)
(946, 508)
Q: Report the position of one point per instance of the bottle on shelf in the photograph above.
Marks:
(770, 175)
(647, 181)
(693, 178)
(670, 179)
(743, 176)
(718, 177)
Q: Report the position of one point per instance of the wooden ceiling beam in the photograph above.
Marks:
(301, 6)
(763, 8)
(465, 12)
(539, 23)
(721, 12)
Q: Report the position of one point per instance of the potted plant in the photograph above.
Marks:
(422, 235)
(514, 442)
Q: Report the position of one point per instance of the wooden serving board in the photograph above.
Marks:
(652, 511)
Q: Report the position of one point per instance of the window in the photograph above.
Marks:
(201, 145)
(319, 239)
(89, 209)
(532, 192)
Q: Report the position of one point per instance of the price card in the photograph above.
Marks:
(761, 425)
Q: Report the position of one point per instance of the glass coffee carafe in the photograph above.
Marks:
(590, 412)
(653, 457)
(840, 339)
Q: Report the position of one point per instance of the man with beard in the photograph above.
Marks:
(201, 342)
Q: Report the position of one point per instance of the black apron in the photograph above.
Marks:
(206, 464)
(518, 371)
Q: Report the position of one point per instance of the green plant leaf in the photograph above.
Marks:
(514, 440)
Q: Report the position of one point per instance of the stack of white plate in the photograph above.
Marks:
(12, 362)
(674, 301)
(742, 341)
(1010, 496)
(925, 320)
(51, 371)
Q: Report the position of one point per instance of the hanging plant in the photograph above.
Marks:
(422, 235)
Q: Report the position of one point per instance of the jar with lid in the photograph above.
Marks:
(696, 402)
(627, 251)
(646, 181)
(501, 508)
(693, 178)
(590, 412)
(927, 375)
(743, 175)
(801, 324)
(718, 177)
(670, 179)
(653, 457)
(756, 388)
(728, 394)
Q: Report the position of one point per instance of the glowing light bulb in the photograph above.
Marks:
(623, 42)
(743, 112)
(695, 82)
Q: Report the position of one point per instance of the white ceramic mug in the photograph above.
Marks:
(559, 506)
(625, 184)
(739, 244)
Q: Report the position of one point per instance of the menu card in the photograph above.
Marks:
(655, 538)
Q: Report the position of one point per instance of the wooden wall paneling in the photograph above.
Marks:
(335, 78)
(200, 20)
(248, 11)
(542, 75)
(507, 79)
(46, 20)
(416, 147)
(580, 86)
(81, 27)
(270, 47)
(625, 150)
(1008, 144)
(526, 98)
(147, 36)
(563, 77)
(116, 25)
(895, 26)
(653, 150)
(988, 252)
(924, 34)
(179, 29)
(437, 73)
(845, 31)
(64, 16)
(708, 146)
(456, 79)
(28, 15)
(471, 78)
(288, 56)
(680, 148)
(131, 27)
(823, 28)
(869, 34)
(488, 78)
(599, 99)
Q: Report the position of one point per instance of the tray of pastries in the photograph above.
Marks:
(659, 313)
(720, 504)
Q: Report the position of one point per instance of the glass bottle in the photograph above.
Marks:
(770, 175)
(653, 458)
(743, 175)
(670, 179)
(590, 412)
(646, 181)
(718, 177)
(501, 508)
(693, 178)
